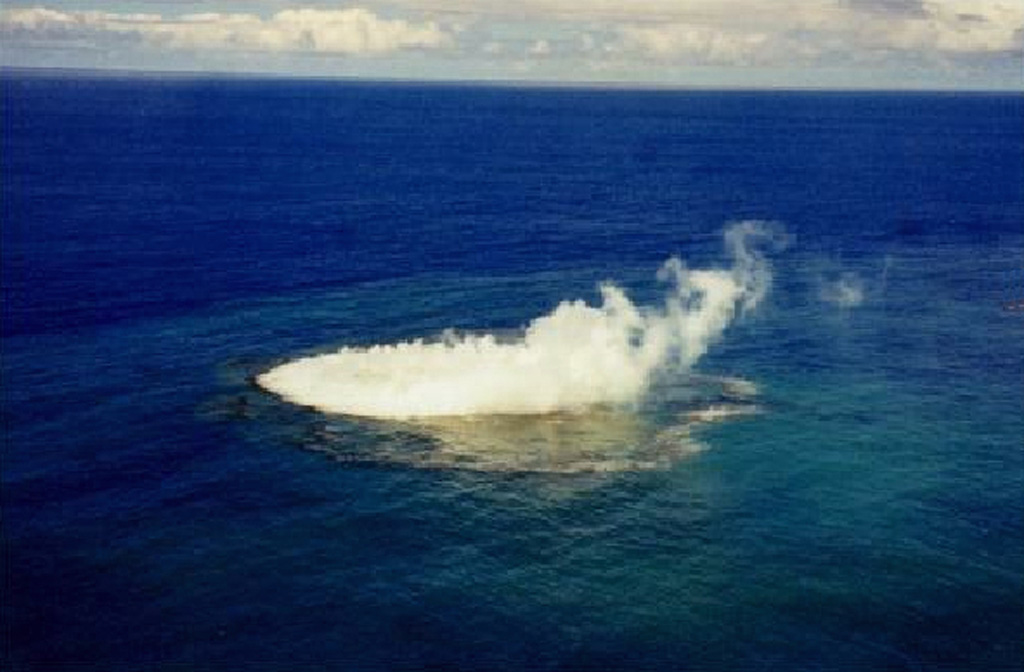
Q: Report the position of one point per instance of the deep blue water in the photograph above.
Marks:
(163, 241)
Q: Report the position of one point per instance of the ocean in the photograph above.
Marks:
(308, 374)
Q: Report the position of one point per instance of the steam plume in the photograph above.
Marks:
(577, 356)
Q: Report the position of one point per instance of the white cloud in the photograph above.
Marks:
(724, 30)
(696, 44)
(343, 31)
(803, 32)
(632, 40)
(588, 10)
(540, 48)
(493, 48)
(959, 27)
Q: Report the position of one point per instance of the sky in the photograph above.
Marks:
(836, 44)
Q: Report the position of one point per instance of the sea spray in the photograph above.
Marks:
(576, 357)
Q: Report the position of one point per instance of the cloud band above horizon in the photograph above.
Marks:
(570, 40)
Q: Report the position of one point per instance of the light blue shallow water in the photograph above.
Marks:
(161, 510)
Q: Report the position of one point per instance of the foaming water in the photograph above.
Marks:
(575, 358)
(666, 428)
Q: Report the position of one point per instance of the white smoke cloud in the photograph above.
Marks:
(575, 357)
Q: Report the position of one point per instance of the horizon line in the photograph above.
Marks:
(610, 85)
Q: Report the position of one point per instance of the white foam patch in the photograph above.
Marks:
(593, 442)
(739, 388)
(719, 412)
(578, 356)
